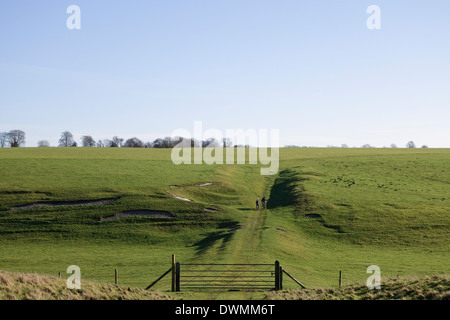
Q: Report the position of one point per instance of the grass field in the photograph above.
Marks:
(385, 207)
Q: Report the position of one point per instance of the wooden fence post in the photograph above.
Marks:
(173, 273)
(340, 278)
(177, 277)
(281, 278)
(277, 275)
(115, 277)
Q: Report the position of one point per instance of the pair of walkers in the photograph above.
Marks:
(263, 202)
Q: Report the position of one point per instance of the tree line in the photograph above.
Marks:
(16, 138)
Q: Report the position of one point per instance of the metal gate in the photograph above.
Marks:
(195, 276)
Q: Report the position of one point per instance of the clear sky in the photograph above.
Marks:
(311, 69)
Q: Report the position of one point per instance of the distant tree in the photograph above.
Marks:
(227, 143)
(393, 146)
(133, 143)
(211, 143)
(148, 145)
(344, 146)
(74, 144)
(43, 144)
(424, 146)
(3, 139)
(107, 143)
(116, 142)
(167, 142)
(411, 144)
(367, 146)
(66, 139)
(87, 141)
(158, 143)
(100, 144)
(15, 138)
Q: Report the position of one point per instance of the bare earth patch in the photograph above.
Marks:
(313, 215)
(140, 213)
(205, 184)
(180, 198)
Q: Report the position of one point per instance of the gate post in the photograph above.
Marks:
(173, 273)
(277, 275)
(177, 278)
(281, 278)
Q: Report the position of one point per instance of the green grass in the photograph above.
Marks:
(388, 207)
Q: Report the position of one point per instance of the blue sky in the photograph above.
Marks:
(311, 69)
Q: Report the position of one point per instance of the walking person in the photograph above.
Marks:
(263, 201)
(257, 204)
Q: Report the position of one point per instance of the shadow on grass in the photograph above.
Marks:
(222, 236)
(287, 190)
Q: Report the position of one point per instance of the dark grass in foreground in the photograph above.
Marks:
(427, 288)
(24, 286)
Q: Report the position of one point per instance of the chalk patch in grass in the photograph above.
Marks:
(205, 184)
(180, 198)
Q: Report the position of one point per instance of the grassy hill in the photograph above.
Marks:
(328, 210)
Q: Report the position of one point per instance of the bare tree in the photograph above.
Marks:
(411, 144)
(87, 141)
(367, 146)
(424, 146)
(16, 138)
(227, 142)
(3, 139)
(344, 146)
(66, 139)
(108, 143)
(43, 144)
(116, 142)
(211, 143)
(393, 146)
(100, 144)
